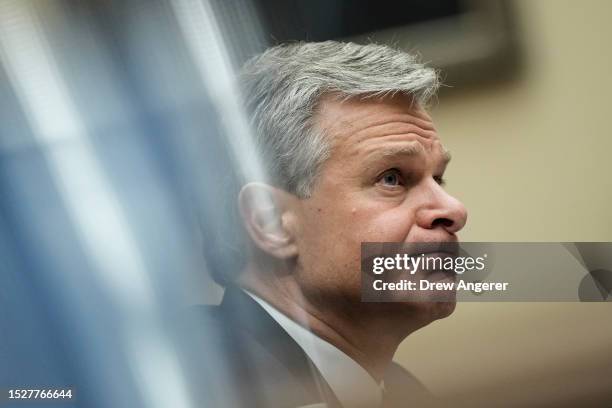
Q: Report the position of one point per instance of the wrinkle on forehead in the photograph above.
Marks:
(383, 148)
(390, 126)
(365, 133)
(387, 139)
(355, 121)
(410, 149)
(360, 119)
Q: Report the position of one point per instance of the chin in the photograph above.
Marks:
(427, 312)
(440, 310)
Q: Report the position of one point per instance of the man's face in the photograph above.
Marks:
(382, 183)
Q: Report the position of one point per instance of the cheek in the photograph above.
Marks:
(383, 224)
(379, 222)
(334, 235)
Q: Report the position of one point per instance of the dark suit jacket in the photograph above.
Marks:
(252, 362)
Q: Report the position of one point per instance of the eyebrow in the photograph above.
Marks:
(411, 149)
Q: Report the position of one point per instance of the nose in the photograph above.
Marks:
(442, 210)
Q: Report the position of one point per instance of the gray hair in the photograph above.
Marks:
(283, 85)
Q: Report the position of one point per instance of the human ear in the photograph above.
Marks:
(266, 212)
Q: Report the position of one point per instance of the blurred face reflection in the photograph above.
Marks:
(382, 183)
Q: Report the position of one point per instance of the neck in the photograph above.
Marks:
(369, 333)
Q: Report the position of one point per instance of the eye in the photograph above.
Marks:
(391, 178)
(440, 180)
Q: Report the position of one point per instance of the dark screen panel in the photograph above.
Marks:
(319, 20)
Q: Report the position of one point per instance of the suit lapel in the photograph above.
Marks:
(266, 342)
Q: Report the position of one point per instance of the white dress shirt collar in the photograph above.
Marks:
(351, 383)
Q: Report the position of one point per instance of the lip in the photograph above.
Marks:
(448, 248)
(438, 276)
(439, 254)
(438, 249)
(435, 275)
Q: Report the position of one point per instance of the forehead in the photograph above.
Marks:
(357, 125)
